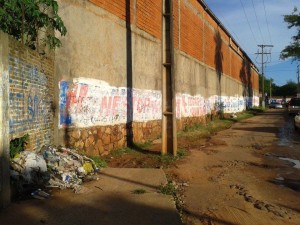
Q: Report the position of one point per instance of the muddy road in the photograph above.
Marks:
(248, 174)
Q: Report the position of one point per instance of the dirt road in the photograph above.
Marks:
(237, 177)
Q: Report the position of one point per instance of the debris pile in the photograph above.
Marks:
(53, 167)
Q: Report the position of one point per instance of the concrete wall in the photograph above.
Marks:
(106, 80)
(109, 71)
(4, 124)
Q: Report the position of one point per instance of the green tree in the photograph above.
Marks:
(289, 89)
(292, 50)
(28, 20)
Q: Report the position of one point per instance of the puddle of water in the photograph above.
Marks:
(289, 183)
(296, 162)
(287, 135)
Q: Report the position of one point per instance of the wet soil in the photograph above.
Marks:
(239, 178)
(235, 176)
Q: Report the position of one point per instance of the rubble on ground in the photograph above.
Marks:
(52, 167)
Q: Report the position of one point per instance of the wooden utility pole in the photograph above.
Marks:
(262, 53)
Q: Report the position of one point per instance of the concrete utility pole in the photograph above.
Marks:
(262, 53)
(271, 80)
(298, 76)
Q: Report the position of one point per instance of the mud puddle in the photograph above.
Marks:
(294, 161)
(289, 183)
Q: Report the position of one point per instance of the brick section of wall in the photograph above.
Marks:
(101, 140)
(117, 7)
(195, 4)
(235, 66)
(209, 44)
(148, 13)
(255, 83)
(176, 24)
(210, 39)
(195, 32)
(225, 58)
(191, 31)
(31, 95)
(149, 16)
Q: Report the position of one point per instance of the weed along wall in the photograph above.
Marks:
(110, 87)
(30, 81)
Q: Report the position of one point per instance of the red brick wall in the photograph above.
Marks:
(31, 97)
(195, 31)
(116, 7)
(149, 15)
(210, 46)
(176, 24)
(191, 31)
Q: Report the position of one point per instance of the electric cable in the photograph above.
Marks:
(248, 22)
(267, 22)
(257, 22)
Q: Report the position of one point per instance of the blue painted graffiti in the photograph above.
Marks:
(29, 102)
(65, 118)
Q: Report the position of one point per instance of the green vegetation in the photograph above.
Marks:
(196, 135)
(139, 191)
(293, 50)
(122, 151)
(148, 155)
(168, 189)
(29, 20)
(99, 162)
(17, 145)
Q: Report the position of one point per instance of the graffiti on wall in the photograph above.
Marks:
(195, 106)
(28, 99)
(89, 102)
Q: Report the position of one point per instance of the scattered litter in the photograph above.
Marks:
(233, 116)
(30, 167)
(39, 194)
(53, 167)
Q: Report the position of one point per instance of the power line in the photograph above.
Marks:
(262, 53)
(267, 21)
(257, 22)
(275, 70)
(248, 22)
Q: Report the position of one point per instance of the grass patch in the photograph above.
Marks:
(121, 151)
(181, 152)
(139, 191)
(168, 189)
(142, 146)
(99, 162)
(166, 160)
(193, 135)
(17, 145)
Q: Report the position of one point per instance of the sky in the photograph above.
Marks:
(260, 22)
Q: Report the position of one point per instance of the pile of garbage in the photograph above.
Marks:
(52, 167)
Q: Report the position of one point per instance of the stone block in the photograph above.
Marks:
(99, 133)
(106, 139)
(84, 134)
(76, 134)
(108, 130)
(99, 146)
